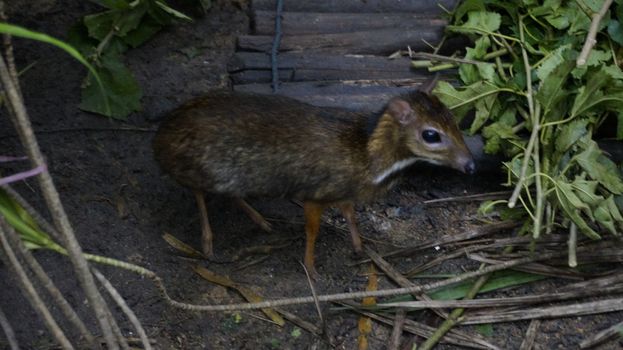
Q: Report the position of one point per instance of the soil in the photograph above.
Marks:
(120, 205)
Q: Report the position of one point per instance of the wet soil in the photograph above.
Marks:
(120, 205)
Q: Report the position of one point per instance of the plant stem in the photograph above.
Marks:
(52, 198)
(10, 259)
(535, 125)
(592, 33)
(573, 242)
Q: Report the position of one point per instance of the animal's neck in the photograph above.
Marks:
(386, 150)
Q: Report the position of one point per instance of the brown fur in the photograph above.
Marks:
(251, 145)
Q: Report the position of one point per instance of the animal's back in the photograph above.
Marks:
(251, 145)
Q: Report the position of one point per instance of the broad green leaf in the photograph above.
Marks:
(461, 101)
(479, 22)
(589, 93)
(122, 89)
(100, 24)
(484, 108)
(472, 73)
(148, 28)
(551, 90)
(569, 133)
(596, 165)
(586, 190)
(614, 71)
(571, 205)
(468, 6)
(554, 59)
(607, 214)
(29, 34)
(114, 22)
(548, 7)
(499, 280)
(485, 329)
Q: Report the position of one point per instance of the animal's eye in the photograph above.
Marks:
(431, 136)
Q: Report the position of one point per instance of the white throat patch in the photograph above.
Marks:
(399, 165)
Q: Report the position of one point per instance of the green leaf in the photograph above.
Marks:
(485, 329)
(551, 90)
(100, 24)
(497, 133)
(499, 280)
(571, 205)
(148, 28)
(607, 214)
(461, 101)
(117, 22)
(29, 34)
(123, 91)
(554, 59)
(484, 107)
(620, 126)
(479, 22)
(472, 73)
(569, 133)
(586, 190)
(468, 6)
(600, 168)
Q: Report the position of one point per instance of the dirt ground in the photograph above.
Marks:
(120, 205)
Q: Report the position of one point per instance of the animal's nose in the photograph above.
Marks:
(470, 167)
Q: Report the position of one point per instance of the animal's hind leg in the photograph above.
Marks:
(348, 211)
(206, 231)
(253, 214)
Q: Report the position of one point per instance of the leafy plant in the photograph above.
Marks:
(21, 32)
(535, 104)
(103, 38)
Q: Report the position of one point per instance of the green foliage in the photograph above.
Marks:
(569, 102)
(104, 37)
(29, 34)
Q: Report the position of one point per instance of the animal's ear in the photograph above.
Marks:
(428, 86)
(400, 110)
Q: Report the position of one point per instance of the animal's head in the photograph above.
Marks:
(430, 132)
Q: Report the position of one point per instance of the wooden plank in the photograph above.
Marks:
(254, 67)
(369, 96)
(377, 42)
(362, 6)
(297, 75)
(297, 23)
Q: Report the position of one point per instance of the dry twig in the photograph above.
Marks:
(27, 137)
(10, 259)
(8, 331)
(528, 340)
(575, 309)
(114, 294)
(603, 336)
(399, 322)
